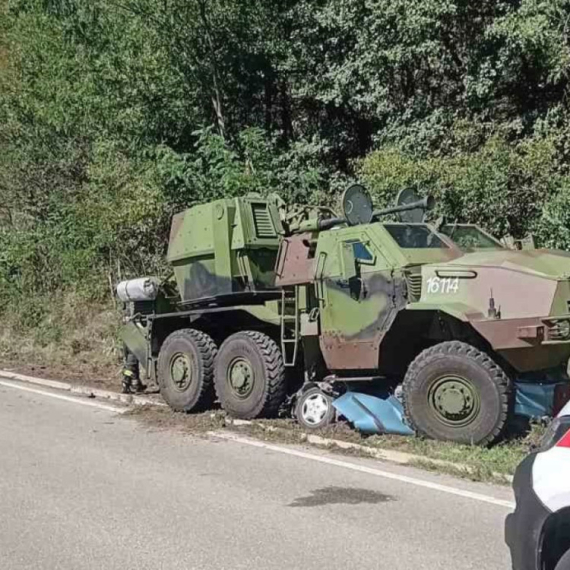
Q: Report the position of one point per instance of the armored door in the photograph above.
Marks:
(357, 297)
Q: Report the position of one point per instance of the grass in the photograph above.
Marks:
(485, 462)
(494, 464)
(67, 338)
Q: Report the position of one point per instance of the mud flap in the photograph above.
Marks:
(373, 414)
(135, 340)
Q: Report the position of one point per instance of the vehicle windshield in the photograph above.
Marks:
(470, 238)
(415, 236)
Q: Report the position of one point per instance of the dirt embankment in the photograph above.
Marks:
(103, 377)
(73, 341)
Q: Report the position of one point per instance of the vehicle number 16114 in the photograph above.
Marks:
(445, 285)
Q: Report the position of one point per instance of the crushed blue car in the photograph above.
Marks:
(381, 412)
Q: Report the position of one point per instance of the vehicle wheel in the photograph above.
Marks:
(186, 370)
(250, 375)
(455, 392)
(314, 409)
(564, 562)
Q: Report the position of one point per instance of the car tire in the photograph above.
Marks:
(455, 392)
(314, 409)
(564, 562)
(250, 375)
(186, 370)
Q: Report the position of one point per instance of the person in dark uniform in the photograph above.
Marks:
(131, 373)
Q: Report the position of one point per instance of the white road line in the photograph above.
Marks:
(66, 398)
(369, 470)
(294, 452)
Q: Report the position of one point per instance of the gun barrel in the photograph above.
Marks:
(330, 222)
(426, 203)
(316, 224)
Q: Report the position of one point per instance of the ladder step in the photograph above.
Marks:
(290, 334)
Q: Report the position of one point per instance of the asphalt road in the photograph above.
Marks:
(85, 488)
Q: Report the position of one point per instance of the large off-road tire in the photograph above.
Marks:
(186, 370)
(455, 392)
(250, 375)
(314, 409)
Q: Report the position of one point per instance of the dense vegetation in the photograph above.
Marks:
(115, 113)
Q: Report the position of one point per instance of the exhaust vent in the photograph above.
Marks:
(263, 222)
(414, 282)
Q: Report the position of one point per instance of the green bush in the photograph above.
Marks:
(508, 188)
(115, 115)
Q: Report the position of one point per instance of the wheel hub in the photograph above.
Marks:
(454, 400)
(315, 408)
(181, 371)
(240, 377)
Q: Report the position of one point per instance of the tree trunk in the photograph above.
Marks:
(216, 93)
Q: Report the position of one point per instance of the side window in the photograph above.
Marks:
(362, 252)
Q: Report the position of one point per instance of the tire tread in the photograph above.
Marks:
(207, 351)
(459, 348)
(276, 385)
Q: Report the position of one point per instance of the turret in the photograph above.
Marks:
(358, 209)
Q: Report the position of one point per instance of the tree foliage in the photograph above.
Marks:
(115, 114)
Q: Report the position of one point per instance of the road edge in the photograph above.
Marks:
(398, 457)
(82, 389)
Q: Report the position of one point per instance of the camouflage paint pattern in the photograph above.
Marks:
(359, 298)
(512, 299)
(357, 280)
(224, 247)
(296, 260)
(530, 290)
(134, 335)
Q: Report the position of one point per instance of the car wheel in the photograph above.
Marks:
(564, 562)
(314, 409)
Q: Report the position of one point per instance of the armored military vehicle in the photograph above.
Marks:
(270, 303)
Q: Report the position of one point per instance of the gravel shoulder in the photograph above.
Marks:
(496, 464)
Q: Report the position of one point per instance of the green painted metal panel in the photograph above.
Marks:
(134, 336)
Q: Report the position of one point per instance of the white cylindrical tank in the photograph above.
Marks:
(141, 289)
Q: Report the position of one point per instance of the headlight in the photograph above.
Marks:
(559, 329)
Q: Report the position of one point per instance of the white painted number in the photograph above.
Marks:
(445, 286)
(433, 284)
